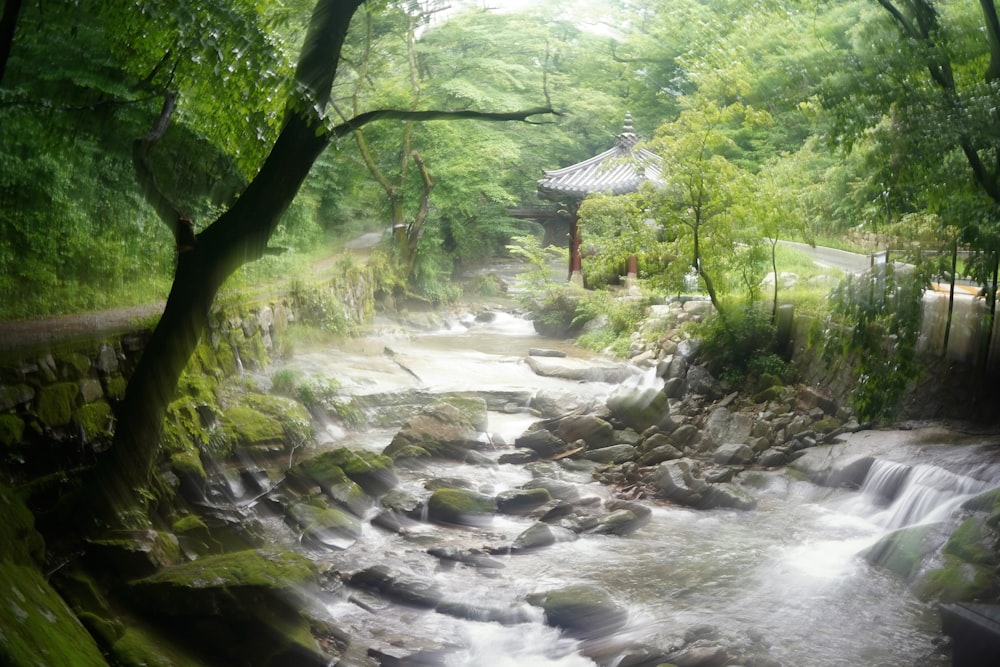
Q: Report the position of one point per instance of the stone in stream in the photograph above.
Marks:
(397, 586)
(612, 454)
(461, 507)
(440, 429)
(593, 430)
(544, 352)
(582, 611)
(325, 525)
(522, 501)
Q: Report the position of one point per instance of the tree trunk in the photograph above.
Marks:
(951, 298)
(240, 235)
(8, 25)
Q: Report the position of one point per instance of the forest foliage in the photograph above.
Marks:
(776, 119)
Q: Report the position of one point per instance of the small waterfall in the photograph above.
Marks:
(917, 494)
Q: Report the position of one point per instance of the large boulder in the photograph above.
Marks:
(581, 370)
(543, 442)
(242, 607)
(440, 429)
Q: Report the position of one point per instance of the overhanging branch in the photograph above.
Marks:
(363, 119)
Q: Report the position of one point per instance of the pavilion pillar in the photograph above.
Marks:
(632, 274)
(575, 263)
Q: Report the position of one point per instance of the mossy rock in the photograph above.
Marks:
(325, 525)
(292, 415)
(324, 472)
(55, 403)
(114, 387)
(254, 352)
(93, 420)
(141, 645)
(225, 360)
(441, 429)
(826, 425)
(522, 501)
(11, 430)
(902, 551)
(988, 501)
(582, 611)
(973, 542)
(199, 387)
(19, 542)
(473, 408)
(134, 553)
(371, 471)
(956, 581)
(73, 365)
(461, 507)
(36, 626)
(13, 395)
(254, 430)
(241, 606)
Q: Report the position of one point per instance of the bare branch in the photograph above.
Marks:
(363, 119)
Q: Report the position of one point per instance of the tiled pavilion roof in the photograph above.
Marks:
(619, 170)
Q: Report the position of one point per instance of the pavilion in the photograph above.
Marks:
(618, 170)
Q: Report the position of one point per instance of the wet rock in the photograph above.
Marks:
(685, 436)
(772, 457)
(639, 407)
(397, 586)
(476, 559)
(807, 398)
(519, 456)
(440, 429)
(460, 507)
(582, 611)
(625, 518)
(699, 656)
(827, 466)
(612, 454)
(244, 605)
(727, 495)
(593, 430)
(665, 452)
(733, 453)
(543, 352)
(543, 442)
(558, 489)
(724, 426)
(700, 381)
(902, 551)
(580, 370)
(536, 536)
(554, 403)
(522, 501)
(679, 481)
(323, 471)
(325, 525)
(503, 616)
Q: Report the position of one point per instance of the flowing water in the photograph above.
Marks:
(786, 575)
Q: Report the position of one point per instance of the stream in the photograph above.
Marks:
(785, 577)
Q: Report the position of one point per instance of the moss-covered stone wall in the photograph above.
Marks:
(57, 406)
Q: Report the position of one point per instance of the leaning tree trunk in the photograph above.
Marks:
(238, 236)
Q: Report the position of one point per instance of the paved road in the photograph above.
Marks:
(849, 262)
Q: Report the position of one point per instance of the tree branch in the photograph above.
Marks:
(166, 209)
(418, 222)
(363, 119)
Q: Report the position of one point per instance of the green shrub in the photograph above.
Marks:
(740, 344)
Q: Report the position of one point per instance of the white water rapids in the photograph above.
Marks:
(786, 575)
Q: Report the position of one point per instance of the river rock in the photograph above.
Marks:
(679, 481)
(727, 495)
(543, 442)
(325, 525)
(700, 381)
(733, 453)
(581, 370)
(639, 407)
(397, 586)
(582, 611)
(664, 452)
(612, 454)
(724, 426)
(593, 430)
(519, 456)
(323, 471)
(545, 352)
(460, 507)
(247, 601)
(522, 501)
(832, 465)
(556, 403)
(699, 656)
(558, 489)
(685, 436)
(772, 457)
(536, 536)
(440, 429)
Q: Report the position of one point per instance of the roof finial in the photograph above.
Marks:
(628, 124)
